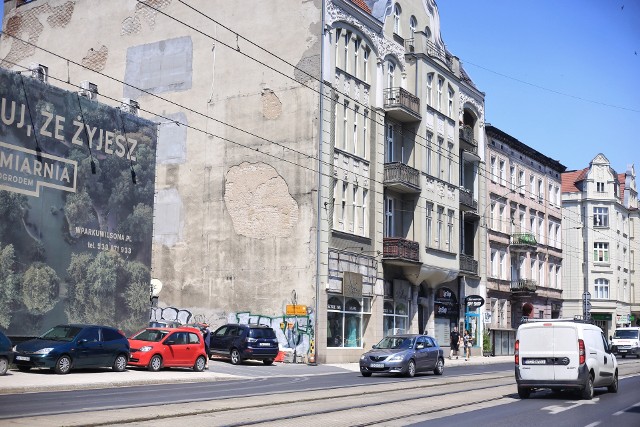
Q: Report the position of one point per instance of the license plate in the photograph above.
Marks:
(622, 351)
(535, 361)
(377, 365)
(265, 344)
(24, 358)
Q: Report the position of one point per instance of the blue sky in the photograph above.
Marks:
(521, 53)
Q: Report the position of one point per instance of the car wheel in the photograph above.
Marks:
(587, 391)
(613, 388)
(524, 393)
(235, 357)
(120, 363)
(200, 364)
(365, 374)
(24, 368)
(268, 361)
(411, 369)
(155, 363)
(4, 365)
(439, 369)
(63, 365)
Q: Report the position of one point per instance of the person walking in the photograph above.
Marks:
(206, 336)
(468, 341)
(454, 342)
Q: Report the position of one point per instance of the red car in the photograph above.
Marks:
(158, 348)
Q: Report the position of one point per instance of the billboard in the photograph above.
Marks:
(76, 209)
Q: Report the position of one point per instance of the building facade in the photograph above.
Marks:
(523, 220)
(601, 217)
(317, 172)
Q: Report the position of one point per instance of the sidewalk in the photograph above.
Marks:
(45, 380)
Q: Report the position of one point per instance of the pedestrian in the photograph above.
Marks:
(468, 341)
(206, 336)
(454, 342)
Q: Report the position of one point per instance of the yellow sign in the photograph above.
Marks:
(296, 310)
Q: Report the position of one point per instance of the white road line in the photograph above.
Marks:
(626, 409)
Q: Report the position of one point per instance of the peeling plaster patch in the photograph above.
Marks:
(130, 25)
(61, 15)
(160, 67)
(133, 25)
(172, 139)
(271, 105)
(96, 59)
(258, 201)
(307, 68)
(168, 221)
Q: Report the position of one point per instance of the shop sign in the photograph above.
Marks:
(601, 316)
(444, 309)
(296, 310)
(474, 301)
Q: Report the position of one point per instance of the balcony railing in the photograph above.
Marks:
(466, 198)
(523, 242)
(402, 105)
(401, 177)
(468, 264)
(466, 133)
(436, 52)
(397, 248)
(523, 286)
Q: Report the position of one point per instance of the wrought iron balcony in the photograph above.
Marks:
(468, 264)
(401, 105)
(467, 142)
(439, 53)
(523, 242)
(401, 177)
(523, 286)
(399, 251)
(467, 201)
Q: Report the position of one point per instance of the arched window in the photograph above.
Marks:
(413, 24)
(391, 69)
(396, 18)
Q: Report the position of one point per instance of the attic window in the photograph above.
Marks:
(600, 187)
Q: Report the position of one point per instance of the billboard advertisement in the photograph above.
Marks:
(76, 209)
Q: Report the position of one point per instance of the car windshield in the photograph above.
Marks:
(261, 333)
(61, 333)
(626, 334)
(153, 335)
(400, 343)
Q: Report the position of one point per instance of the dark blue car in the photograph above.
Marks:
(66, 347)
(6, 353)
(240, 342)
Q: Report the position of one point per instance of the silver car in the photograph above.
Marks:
(405, 354)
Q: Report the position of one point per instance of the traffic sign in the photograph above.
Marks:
(586, 295)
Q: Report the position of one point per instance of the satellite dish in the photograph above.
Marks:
(156, 287)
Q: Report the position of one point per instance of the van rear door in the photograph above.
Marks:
(536, 351)
(566, 353)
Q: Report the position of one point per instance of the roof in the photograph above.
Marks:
(362, 5)
(571, 178)
(622, 178)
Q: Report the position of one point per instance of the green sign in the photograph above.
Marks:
(601, 316)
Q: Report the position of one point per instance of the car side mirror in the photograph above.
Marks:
(374, 346)
(82, 341)
(169, 342)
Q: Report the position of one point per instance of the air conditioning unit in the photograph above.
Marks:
(39, 71)
(88, 90)
(130, 106)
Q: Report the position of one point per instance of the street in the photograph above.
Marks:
(484, 393)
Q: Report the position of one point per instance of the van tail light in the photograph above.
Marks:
(517, 352)
(581, 352)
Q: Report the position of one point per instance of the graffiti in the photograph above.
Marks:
(170, 313)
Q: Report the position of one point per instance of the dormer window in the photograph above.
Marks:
(600, 187)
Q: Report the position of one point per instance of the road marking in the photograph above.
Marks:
(597, 423)
(556, 409)
(627, 409)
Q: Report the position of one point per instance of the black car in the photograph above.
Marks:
(239, 342)
(6, 353)
(65, 347)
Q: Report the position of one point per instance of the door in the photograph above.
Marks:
(177, 349)
(89, 349)
(421, 354)
(566, 352)
(218, 340)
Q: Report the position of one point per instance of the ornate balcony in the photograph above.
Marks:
(523, 287)
(468, 265)
(467, 202)
(523, 242)
(401, 178)
(401, 105)
(467, 142)
(399, 251)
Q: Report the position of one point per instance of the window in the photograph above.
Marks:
(494, 171)
(440, 85)
(388, 152)
(390, 71)
(347, 37)
(413, 24)
(333, 202)
(344, 125)
(512, 176)
(449, 241)
(451, 94)
(503, 179)
(541, 230)
(501, 217)
(557, 196)
(494, 263)
(356, 113)
(501, 272)
(439, 227)
(389, 230)
(492, 213)
(541, 273)
(600, 187)
(364, 133)
(345, 318)
(396, 19)
(600, 217)
(521, 181)
(364, 222)
(353, 226)
(356, 48)
(450, 164)
(429, 152)
(365, 67)
(551, 235)
(601, 252)
(429, 88)
(532, 188)
(440, 154)
(429, 224)
(337, 55)
(558, 277)
(601, 289)
(540, 191)
(395, 318)
(344, 205)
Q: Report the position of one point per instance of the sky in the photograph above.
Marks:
(563, 77)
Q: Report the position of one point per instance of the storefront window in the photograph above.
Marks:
(345, 321)
(395, 318)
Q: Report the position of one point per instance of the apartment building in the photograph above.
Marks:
(524, 221)
(317, 172)
(600, 207)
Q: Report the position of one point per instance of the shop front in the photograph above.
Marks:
(446, 312)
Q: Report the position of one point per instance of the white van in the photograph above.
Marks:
(626, 341)
(563, 354)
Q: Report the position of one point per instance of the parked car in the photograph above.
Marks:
(626, 342)
(6, 353)
(405, 354)
(157, 348)
(65, 347)
(240, 342)
(563, 354)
